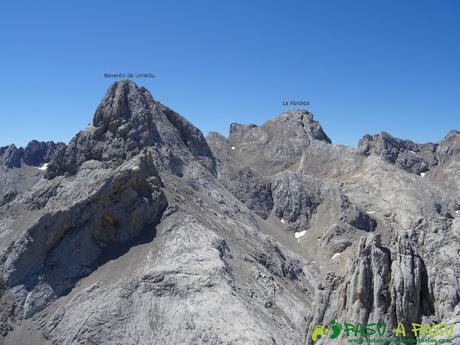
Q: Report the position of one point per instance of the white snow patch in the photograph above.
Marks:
(370, 212)
(335, 256)
(282, 220)
(233, 147)
(422, 174)
(458, 211)
(300, 234)
(413, 152)
(43, 167)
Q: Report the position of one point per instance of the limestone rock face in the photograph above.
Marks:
(412, 157)
(128, 120)
(45, 261)
(142, 231)
(382, 285)
(251, 189)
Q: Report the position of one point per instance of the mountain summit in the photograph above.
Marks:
(122, 100)
(141, 230)
(127, 121)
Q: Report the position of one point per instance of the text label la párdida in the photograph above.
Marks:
(294, 103)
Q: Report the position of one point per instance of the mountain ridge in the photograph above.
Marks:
(141, 228)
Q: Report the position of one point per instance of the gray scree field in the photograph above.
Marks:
(141, 230)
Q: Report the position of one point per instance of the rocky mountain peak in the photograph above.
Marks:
(453, 133)
(127, 121)
(452, 139)
(11, 156)
(36, 153)
(238, 127)
(412, 157)
(304, 119)
(295, 123)
(383, 141)
(449, 146)
(123, 100)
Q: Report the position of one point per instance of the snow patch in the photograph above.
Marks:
(413, 152)
(282, 220)
(233, 147)
(458, 211)
(370, 212)
(335, 256)
(422, 174)
(43, 167)
(300, 234)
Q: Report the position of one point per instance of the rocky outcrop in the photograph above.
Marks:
(251, 189)
(415, 158)
(449, 147)
(381, 286)
(36, 153)
(21, 168)
(64, 245)
(296, 197)
(11, 156)
(298, 122)
(18, 167)
(407, 155)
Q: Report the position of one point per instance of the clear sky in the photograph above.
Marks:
(364, 66)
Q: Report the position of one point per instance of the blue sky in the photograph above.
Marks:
(365, 66)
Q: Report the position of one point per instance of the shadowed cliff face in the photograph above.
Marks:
(142, 230)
